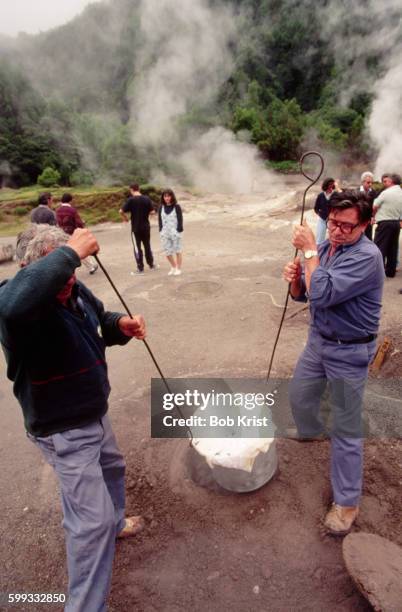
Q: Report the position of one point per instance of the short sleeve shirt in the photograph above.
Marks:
(139, 207)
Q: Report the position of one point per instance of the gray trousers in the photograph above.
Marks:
(90, 469)
(344, 367)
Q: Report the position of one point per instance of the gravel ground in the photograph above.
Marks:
(205, 548)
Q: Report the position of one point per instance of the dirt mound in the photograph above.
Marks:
(207, 548)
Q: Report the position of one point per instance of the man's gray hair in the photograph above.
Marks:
(366, 175)
(45, 239)
(25, 237)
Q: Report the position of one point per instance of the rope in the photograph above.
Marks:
(313, 181)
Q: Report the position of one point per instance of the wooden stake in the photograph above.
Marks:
(380, 355)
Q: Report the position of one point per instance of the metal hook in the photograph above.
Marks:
(313, 181)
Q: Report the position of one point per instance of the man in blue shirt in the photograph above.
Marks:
(343, 281)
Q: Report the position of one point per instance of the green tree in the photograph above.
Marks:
(49, 177)
(277, 129)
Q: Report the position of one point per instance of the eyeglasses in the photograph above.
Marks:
(346, 228)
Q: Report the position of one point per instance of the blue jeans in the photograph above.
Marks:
(90, 469)
(344, 367)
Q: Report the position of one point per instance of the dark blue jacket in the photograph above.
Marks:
(321, 206)
(56, 355)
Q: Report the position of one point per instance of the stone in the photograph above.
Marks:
(319, 573)
(375, 565)
(6, 253)
(266, 572)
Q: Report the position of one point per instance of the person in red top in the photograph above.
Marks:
(69, 220)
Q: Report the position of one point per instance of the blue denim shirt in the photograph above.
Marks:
(346, 290)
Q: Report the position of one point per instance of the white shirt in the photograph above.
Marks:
(389, 204)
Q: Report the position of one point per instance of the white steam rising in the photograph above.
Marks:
(353, 55)
(385, 123)
(183, 61)
(221, 163)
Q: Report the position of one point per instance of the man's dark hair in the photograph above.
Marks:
(386, 175)
(396, 179)
(66, 198)
(44, 198)
(326, 184)
(351, 199)
(135, 187)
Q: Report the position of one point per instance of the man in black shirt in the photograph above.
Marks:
(140, 207)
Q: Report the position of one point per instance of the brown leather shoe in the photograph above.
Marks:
(293, 434)
(340, 519)
(133, 525)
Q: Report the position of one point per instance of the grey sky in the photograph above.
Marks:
(33, 16)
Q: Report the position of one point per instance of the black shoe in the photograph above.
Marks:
(93, 270)
(400, 291)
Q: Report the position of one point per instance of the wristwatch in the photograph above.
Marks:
(310, 254)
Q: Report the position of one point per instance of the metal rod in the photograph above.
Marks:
(313, 181)
(105, 272)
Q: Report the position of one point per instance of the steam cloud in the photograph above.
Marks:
(182, 56)
(184, 59)
(385, 121)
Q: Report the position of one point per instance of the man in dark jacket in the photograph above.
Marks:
(321, 208)
(140, 207)
(54, 333)
(43, 213)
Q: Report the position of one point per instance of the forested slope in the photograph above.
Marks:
(70, 98)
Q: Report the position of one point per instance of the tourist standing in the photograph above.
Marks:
(171, 229)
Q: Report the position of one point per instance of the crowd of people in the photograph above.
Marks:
(140, 207)
(385, 206)
(385, 213)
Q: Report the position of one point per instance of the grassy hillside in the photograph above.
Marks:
(95, 204)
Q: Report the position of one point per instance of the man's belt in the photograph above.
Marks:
(364, 340)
